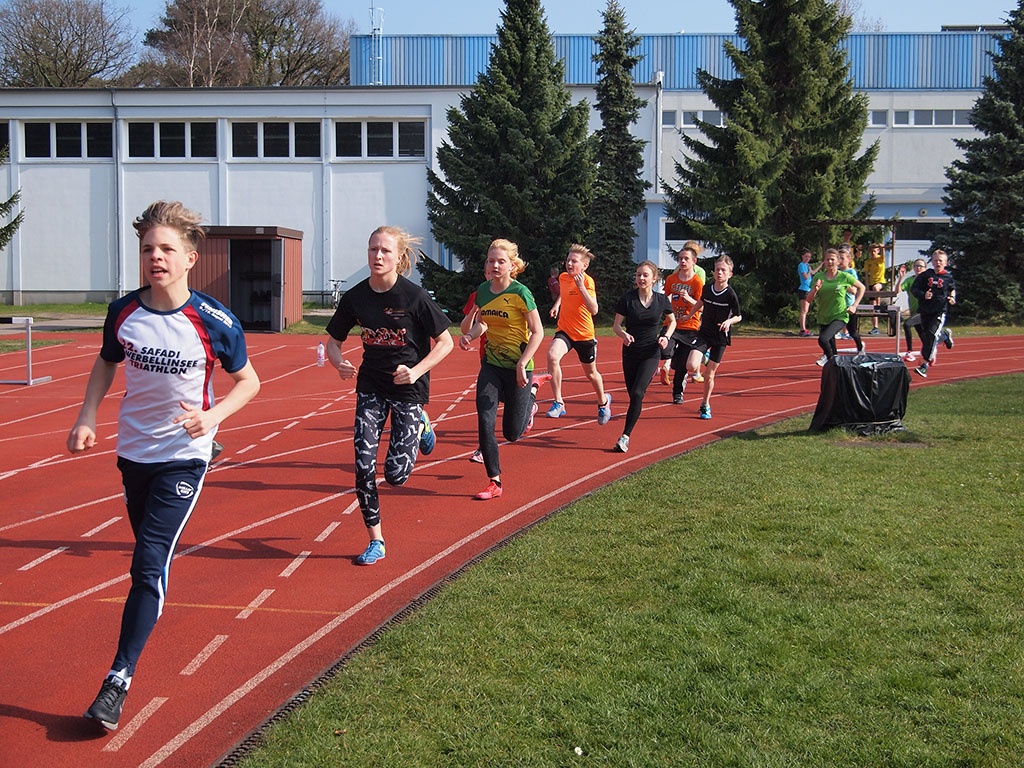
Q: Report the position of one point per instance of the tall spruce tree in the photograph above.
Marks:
(620, 187)
(787, 155)
(985, 193)
(517, 164)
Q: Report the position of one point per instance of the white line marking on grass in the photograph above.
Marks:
(100, 527)
(259, 600)
(136, 722)
(294, 566)
(204, 655)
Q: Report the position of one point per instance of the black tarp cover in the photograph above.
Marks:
(865, 393)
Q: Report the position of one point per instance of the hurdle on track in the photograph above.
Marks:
(28, 380)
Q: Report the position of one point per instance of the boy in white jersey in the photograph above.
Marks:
(168, 336)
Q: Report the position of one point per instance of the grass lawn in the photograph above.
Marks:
(774, 599)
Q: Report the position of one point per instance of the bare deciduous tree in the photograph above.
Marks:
(200, 43)
(63, 43)
(853, 9)
(246, 42)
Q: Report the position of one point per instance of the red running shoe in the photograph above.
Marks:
(492, 491)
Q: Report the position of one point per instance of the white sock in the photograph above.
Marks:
(122, 675)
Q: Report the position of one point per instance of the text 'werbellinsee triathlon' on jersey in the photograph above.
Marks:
(158, 360)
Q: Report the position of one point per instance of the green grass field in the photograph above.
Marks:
(774, 599)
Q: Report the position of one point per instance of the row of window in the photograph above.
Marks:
(267, 139)
(877, 118)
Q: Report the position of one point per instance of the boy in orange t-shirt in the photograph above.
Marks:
(684, 288)
(575, 308)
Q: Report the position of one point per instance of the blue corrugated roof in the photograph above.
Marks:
(878, 61)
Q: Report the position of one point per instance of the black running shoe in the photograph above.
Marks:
(106, 709)
(217, 450)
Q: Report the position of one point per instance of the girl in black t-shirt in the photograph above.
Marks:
(404, 335)
(640, 322)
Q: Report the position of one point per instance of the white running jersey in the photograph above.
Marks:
(169, 358)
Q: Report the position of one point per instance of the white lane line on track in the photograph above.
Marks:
(204, 655)
(133, 726)
(259, 600)
(42, 559)
(198, 725)
(327, 532)
(294, 565)
(100, 527)
(271, 436)
(47, 460)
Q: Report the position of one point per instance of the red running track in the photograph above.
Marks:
(264, 595)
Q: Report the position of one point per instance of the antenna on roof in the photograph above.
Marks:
(376, 44)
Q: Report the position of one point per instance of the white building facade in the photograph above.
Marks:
(336, 163)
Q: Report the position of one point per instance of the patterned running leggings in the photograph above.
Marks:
(403, 447)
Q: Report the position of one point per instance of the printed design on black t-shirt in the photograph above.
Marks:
(383, 337)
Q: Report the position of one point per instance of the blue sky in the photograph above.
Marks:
(646, 16)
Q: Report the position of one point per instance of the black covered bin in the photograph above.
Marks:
(865, 393)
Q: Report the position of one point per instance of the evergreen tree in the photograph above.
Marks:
(786, 156)
(7, 208)
(985, 193)
(619, 188)
(517, 162)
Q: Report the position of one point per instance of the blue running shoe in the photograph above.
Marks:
(428, 439)
(604, 413)
(556, 410)
(705, 411)
(373, 553)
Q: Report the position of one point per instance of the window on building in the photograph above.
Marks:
(411, 139)
(307, 139)
(668, 118)
(924, 117)
(204, 139)
(936, 117)
(690, 119)
(348, 139)
(5, 135)
(878, 118)
(713, 117)
(37, 140)
(141, 142)
(275, 140)
(675, 231)
(380, 139)
(99, 139)
(69, 139)
(245, 140)
(172, 139)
